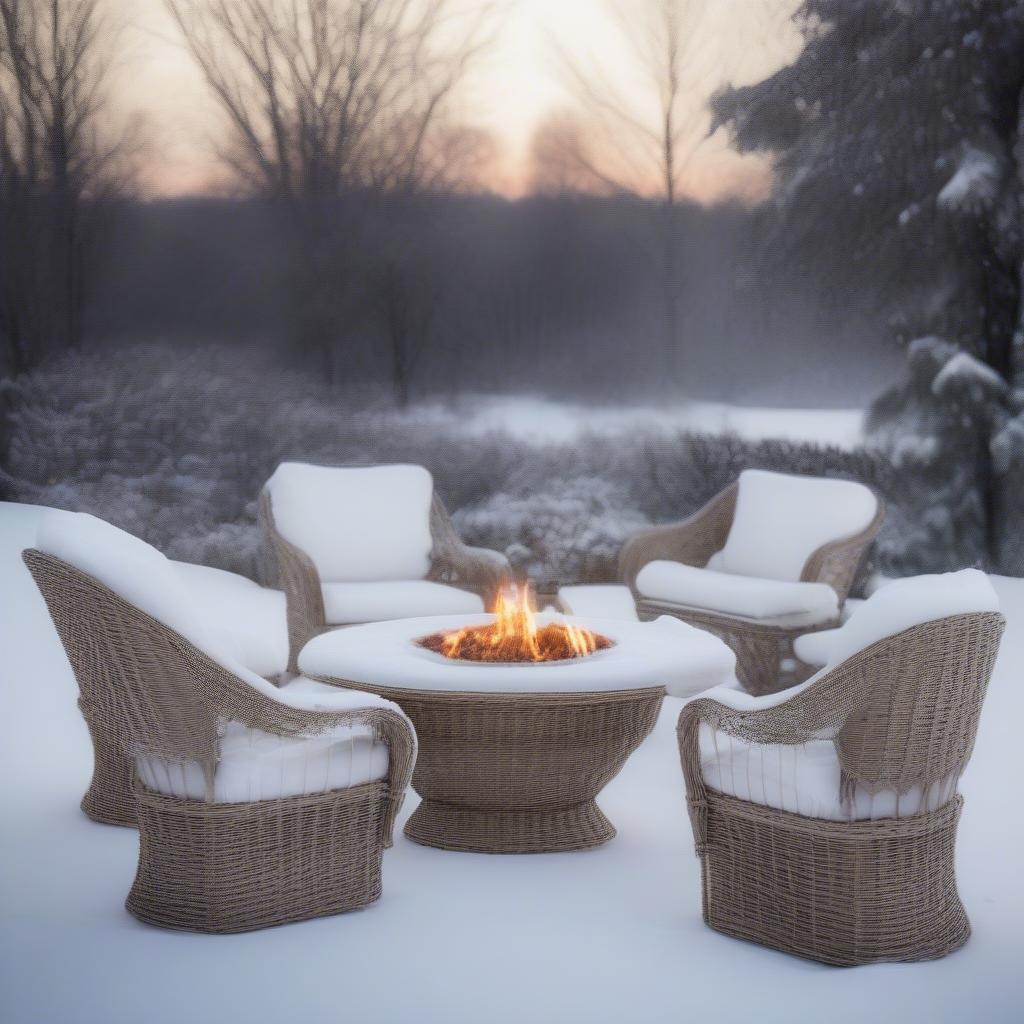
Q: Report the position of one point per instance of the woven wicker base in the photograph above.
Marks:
(518, 772)
(110, 798)
(237, 867)
(546, 831)
(837, 892)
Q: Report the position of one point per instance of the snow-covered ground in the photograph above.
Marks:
(544, 421)
(607, 935)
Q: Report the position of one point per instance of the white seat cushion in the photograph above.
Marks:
(246, 617)
(798, 603)
(599, 602)
(802, 779)
(781, 520)
(346, 603)
(369, 523)
(255, 765)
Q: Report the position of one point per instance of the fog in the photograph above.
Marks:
(555, 295)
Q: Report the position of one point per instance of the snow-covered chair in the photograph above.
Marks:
(365, 544)
(256, 805)
(248, 618)
(825, 816)
(769, 558)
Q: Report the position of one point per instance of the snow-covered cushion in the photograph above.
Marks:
(128, 566)
(602, 602)
(814, 648)
(898, 606)
(803, 779)
(346, 603)
(255, 765)
(356, 524)
(781, 520)
(249, 619)
(746, 596)
(141, 575)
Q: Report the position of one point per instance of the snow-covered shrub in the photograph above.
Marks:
(572, 531)
(176, 448)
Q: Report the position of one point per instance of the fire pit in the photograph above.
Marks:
(515, 636)
(526, 719)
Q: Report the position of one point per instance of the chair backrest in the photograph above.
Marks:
(920, 699)
(918, 653)
(780, 521)
(141, 658)
(356, 523)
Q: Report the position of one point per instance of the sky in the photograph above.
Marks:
(515, 87)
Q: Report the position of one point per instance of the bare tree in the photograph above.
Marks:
(644, 127)
(58, 158)
(326, 96)
(407, 295)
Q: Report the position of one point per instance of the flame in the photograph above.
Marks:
(515, 636)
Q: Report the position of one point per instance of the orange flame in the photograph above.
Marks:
(515, 636)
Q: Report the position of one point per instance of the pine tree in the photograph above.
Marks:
(899, 188)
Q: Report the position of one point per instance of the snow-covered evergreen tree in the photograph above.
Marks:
(899, 187)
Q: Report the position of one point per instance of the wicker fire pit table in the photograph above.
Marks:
(512, 756)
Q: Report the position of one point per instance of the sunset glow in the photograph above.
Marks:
(517, 86)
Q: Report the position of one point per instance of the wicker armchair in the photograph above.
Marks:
(761, 644)
(219, 848)
(452, 567)
(840, 848)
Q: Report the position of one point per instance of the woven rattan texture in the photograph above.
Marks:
(145, 687)
(519, 773)
(760, 647)
(903, 713)
(452, 562)
(237, 867)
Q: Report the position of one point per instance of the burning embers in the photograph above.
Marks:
(514, 636)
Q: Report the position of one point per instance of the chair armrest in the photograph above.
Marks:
(478, 569)
(836, 562)
(817, 707)
(260, 705)
(300, 581)
(692, 541)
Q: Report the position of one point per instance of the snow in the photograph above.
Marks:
(965, 369)
(663, 652)
(141, 575)
(601, 601)
(901, 604)
(246, 617)
(367, 523)
(542, 421)
(346, 603)
(609, 935)
(798, 514)
(974, 183)
(750, 596)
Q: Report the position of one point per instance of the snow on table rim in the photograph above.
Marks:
(665, 652)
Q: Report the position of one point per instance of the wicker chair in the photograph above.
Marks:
(451, 568)
(825, 818)
(220, 851)
(760, 643)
